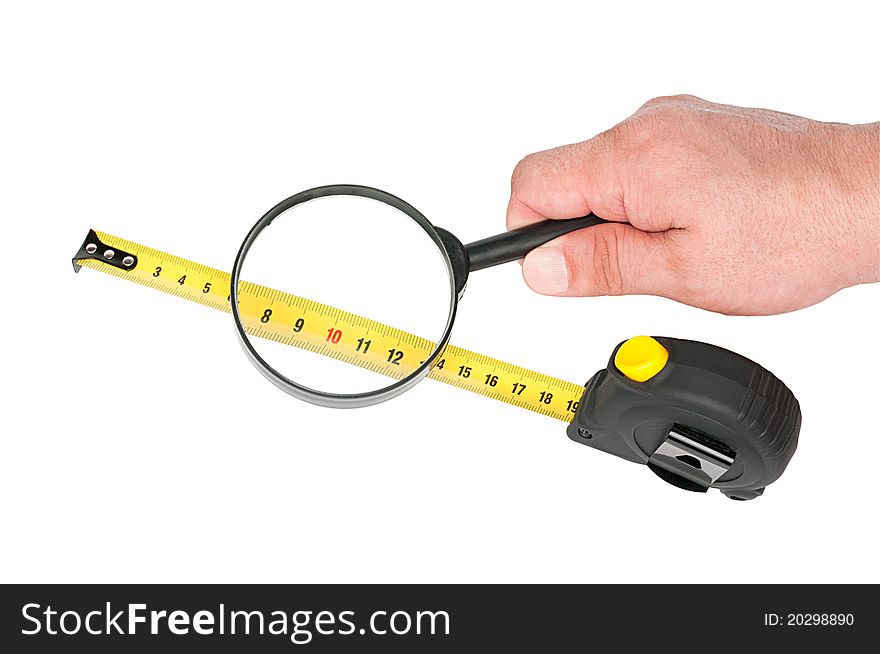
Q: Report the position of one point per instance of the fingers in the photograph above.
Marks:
(611, 175)
(565, 182)
(604, 260)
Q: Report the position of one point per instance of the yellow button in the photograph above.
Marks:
(640, 358)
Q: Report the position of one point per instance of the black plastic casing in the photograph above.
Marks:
(715, 391)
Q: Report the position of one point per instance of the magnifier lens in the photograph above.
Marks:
(346, 253)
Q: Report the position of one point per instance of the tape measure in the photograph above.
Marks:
(332, 332)
(697, 415)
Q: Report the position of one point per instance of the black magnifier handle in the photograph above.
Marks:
(515, 244)
(507, 246)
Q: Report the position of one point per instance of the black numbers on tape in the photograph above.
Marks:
(464, 371)
(363, 346)
(395, 356)
(157, 271)
(181, 280)
(572, 406)
(267, 314)
(299, 324)
(518, 389)
(491, 380)
(546, 398)
(207, 287)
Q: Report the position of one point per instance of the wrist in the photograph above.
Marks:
(858, 178)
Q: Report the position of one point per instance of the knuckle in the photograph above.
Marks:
(665, 101)
(523, 171)
(669, 113)
(632, 138)
(653, 102)
(624, 138)
(660, 129)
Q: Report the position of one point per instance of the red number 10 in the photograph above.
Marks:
(333, 335)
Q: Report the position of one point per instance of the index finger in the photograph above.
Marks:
(564, 182)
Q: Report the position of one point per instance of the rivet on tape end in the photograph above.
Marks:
(93, 248)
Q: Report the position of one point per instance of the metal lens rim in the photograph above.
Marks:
(323, 398)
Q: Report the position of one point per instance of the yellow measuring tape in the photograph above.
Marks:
(332, 332)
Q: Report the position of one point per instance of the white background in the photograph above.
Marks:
(139, 445)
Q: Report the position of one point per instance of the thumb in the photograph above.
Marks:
(609, 259)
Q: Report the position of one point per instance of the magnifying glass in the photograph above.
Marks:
(375, 255)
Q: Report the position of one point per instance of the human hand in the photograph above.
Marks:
(740, 211)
